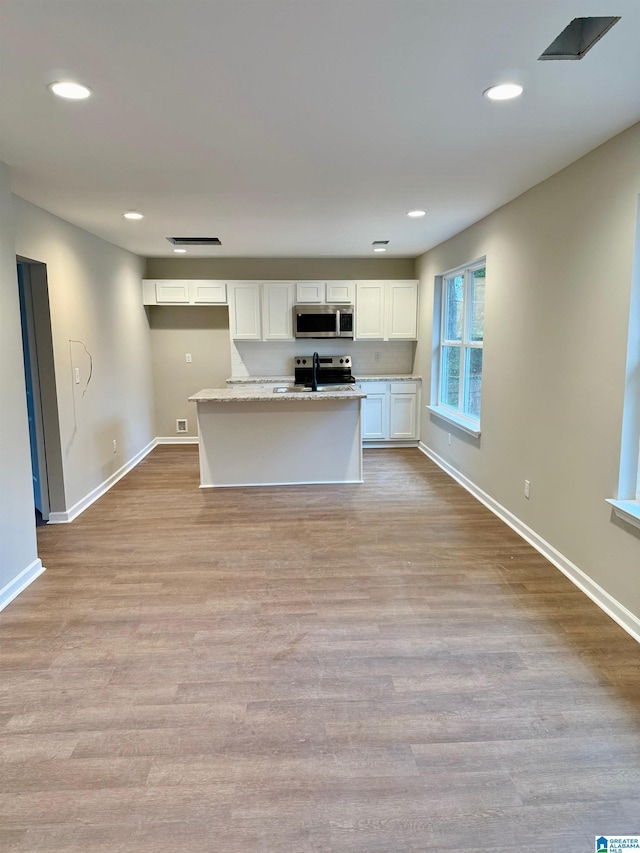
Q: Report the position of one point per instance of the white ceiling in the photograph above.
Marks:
(300, 127)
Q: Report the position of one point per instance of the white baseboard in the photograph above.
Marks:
(618, 612)
(177, 439)
(373, 444)
(99, 491)
(20, 583)
(280, 483)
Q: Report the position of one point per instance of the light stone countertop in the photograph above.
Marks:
(260, 380)
(288, 380)
(251, 395)
(391, 377)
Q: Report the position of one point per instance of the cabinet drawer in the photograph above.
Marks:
(404, 387)
(374, 387)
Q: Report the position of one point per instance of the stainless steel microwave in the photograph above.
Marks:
(323, 321)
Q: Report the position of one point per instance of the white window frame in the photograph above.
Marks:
(627, 504)
(458, 417)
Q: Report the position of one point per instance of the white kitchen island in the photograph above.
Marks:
(263, 436)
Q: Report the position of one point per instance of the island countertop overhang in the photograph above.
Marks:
(250, 395)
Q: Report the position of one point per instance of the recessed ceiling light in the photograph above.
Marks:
(70, 90)
(379, 248)
(131, 214)
(416, 214)
(179, 251)
(503, 92)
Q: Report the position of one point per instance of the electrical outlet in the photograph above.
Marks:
(115, 446)
(77, 375)
(182, 425)
(187, 357)
(377, 356)
(527, 489)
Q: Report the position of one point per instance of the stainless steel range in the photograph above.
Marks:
(323, 370)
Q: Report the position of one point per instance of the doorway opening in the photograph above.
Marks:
(42, 404)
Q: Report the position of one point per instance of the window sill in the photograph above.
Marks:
(471, 427)
(628, 511)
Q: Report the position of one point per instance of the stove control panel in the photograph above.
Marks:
(325, 361)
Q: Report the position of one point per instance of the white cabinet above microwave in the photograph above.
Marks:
(325, 291)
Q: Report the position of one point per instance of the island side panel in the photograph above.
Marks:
(279, 442)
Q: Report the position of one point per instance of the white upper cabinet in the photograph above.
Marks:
(170, 292)
(402, 310)
(277, 311)
(341, 292)
(183, 292)
(370, 305)
(310, 291)
(208, 292)
(325, 291)
(387, 310)
(244, 311)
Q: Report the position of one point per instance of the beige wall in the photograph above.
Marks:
(305, 269)
(95, 302)
(559, 272)
(204, 333)
(18, 551)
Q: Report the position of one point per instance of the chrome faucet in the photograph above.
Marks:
(314, 371)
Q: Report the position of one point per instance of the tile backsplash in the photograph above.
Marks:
(256, 358)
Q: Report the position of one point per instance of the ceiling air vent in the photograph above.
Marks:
(578, 38)
(194, 241)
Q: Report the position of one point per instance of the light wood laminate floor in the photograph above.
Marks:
(377, 668)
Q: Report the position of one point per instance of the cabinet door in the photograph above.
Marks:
(403, 416)
(149, 292)
(310, 291)
(341, 291)
(174, 292)
(402, 310)
(375, 410)
(277, 311)
(370, 303)
(244, 310)
(209, 292)
(375, 416)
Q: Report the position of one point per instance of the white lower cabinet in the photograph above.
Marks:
(390, 411)
(375, 411)
(402, 413)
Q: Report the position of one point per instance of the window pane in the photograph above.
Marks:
(450, 377)
(477, 304)
(454, 315)
(473, 382)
